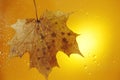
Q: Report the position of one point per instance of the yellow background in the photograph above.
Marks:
(98, 22)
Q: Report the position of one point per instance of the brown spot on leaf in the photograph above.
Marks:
(69, 34)
(56, 22)
(38, 49)
(48, 47)
(53, 34)
(38, 28)
(38, 58)
(53, 41)
(42, 36)
(48, 68)
(64, 40)
(44, 50)
(62, 33)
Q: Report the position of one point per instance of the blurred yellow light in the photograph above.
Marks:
(92, 38)
(87, 42)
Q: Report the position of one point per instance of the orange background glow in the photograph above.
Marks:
(98, 22)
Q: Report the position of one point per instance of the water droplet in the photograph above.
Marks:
(94, 56)
(87, 13)
(0, 52)
(113, 61)
(98, 64)
(89, 73)
(28, 64)
(85, 67)
(95, 61)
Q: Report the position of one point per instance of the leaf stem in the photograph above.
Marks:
(36, 10)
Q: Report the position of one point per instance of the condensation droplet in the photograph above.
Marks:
(0, 52)
(89, 73)
(85, 67)
(25, 61)
(94, 56)
(28, 64)
(98, 64)
(87, 13)
(114, 61)
(95, 61)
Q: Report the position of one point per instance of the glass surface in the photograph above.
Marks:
(98, 22)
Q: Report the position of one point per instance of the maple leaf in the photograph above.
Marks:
(43, 39)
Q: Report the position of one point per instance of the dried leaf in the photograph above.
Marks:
(43, 39)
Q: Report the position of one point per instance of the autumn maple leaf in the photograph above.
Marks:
(43, 39)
